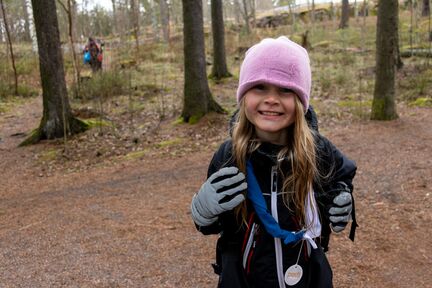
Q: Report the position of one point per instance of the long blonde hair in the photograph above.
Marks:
(300, 151)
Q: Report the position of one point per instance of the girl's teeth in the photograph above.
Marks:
(271, 113)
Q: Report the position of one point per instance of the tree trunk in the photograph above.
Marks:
(114, 16)
(237, 11)
(69, 10)
(1, 27)
(197, 97)
(57, 119)
(8, 36)
(313, 13)
(164, 15)
(154, 22)
(27, 36)
(245, 15)
(384, 104)
(134, 13)
(426, 8)
(345, 15)
(220, 69)
(253, 12)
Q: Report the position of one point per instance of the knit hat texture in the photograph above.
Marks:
(279, 62)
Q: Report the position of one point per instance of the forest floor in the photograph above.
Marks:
(104, 216)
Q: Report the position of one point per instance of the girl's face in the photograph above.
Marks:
(271, 109)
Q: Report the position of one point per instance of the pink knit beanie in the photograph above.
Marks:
(280, 62)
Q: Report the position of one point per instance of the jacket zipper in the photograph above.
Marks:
(277, 241)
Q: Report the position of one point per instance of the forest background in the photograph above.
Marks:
(109, 207)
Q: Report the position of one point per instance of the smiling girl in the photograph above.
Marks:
(277, 187)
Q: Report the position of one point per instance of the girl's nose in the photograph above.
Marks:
(271, 98)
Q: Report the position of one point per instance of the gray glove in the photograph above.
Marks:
(221, 192)
(340, 211)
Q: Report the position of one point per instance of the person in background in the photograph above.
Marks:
(93, 54)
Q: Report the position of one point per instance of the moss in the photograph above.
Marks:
(178, 121)
(171, 142)
(135, 155)
(96, 122)
(380, 113)
(32, 139)
(194, 119)
(354, 103)
(49, 155)
(422, 102)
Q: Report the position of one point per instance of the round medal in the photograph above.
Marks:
(293, 275)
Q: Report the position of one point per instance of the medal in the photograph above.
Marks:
(293, 275)
(295, 272)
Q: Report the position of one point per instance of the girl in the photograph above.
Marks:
(277, 186)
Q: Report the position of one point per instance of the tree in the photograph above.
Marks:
(57, 119)
(114, 16)
(26, 20)
(383, 105)
(197, 97)
(246, 16)
(220, 69)
(9, 40)
(134, 11)
(164, 19)
(69, 9)
(345, 15)
(1, 27)
(426, 8)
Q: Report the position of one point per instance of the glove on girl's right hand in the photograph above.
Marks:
(221, 192)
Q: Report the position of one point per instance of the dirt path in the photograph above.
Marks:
(128, 224)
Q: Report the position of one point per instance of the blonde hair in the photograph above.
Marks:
(300, 151)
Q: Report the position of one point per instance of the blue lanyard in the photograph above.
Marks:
(271, 226)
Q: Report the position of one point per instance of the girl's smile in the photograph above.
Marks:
(271, 109)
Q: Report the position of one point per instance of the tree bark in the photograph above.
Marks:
(114, 16)
(426, 8)
(164, 15)
(345, 15)
(1, 27)
(219, 69)
(384, 104)
(27, 36)
(57, 119)
(9, 40)
(134, 13)
(198, 100)
(237, 11)
(246, 16)
(69, 12)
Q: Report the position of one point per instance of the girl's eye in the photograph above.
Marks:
(286, 90)
(260, 87)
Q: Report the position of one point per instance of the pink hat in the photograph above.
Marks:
(279, 62)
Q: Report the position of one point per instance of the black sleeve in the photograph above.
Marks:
(334, 167)
(222, 158)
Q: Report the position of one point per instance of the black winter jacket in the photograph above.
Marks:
(254, 266)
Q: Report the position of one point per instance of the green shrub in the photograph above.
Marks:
(102, 84)
(28, 65)
(6, 90)
(27, 91)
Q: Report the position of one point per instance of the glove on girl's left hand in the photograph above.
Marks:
(340, 211)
